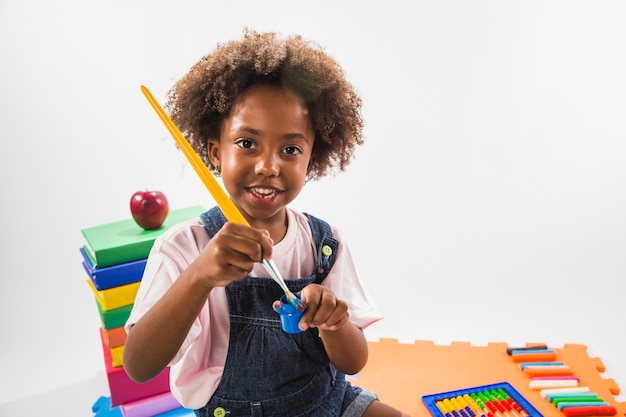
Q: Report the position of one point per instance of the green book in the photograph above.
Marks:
(114, 318)
(125, 241)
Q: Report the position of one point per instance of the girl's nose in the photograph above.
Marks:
(267, 166)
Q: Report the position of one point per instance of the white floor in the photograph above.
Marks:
(73, 400)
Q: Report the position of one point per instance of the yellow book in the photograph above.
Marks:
(115, 297)
(116, 356)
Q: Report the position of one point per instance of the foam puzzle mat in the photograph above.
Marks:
(402, 373)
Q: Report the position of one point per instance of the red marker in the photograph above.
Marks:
(600, 410)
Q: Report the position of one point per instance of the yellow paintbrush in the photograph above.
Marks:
(223, 201)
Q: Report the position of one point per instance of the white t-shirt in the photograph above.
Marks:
(196, 370)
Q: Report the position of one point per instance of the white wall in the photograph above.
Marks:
(488, 203)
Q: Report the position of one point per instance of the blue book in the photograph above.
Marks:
(113, 276)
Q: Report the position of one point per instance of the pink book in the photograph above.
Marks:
(125, 390)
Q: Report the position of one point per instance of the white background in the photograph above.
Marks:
(488, 204)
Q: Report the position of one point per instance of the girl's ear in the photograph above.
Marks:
(213, 152)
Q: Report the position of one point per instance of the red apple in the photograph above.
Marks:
(149, 209)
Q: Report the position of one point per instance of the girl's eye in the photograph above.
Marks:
(292, 150)
(245, 143)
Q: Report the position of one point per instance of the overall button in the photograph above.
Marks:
(219, 412)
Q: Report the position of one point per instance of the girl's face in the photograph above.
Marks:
(264, 153)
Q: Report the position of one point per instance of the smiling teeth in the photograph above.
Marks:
(264, 192)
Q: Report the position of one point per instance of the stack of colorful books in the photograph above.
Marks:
(114, 257)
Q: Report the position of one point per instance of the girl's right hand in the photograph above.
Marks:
(230, 254)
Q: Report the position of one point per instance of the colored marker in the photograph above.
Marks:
(543, 382)
(533, 356)
(547, 363)
(566, 390)
(605, 410)
(509, 351)
(529, 351)
(578, 399)
(563, 406)
(555, 377)
(552, 397)
(547, 370)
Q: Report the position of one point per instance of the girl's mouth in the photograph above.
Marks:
(264, 195)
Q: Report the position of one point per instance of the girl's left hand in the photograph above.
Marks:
(323, 309)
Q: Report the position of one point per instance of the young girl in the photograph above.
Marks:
(267, 114)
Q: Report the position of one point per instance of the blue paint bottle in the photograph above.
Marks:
(289, 316)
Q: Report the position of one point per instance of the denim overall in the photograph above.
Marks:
(269, 372)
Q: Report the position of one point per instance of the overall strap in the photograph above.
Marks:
(326, 246)
(213, 220)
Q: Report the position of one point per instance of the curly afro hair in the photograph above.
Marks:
(200, 100)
